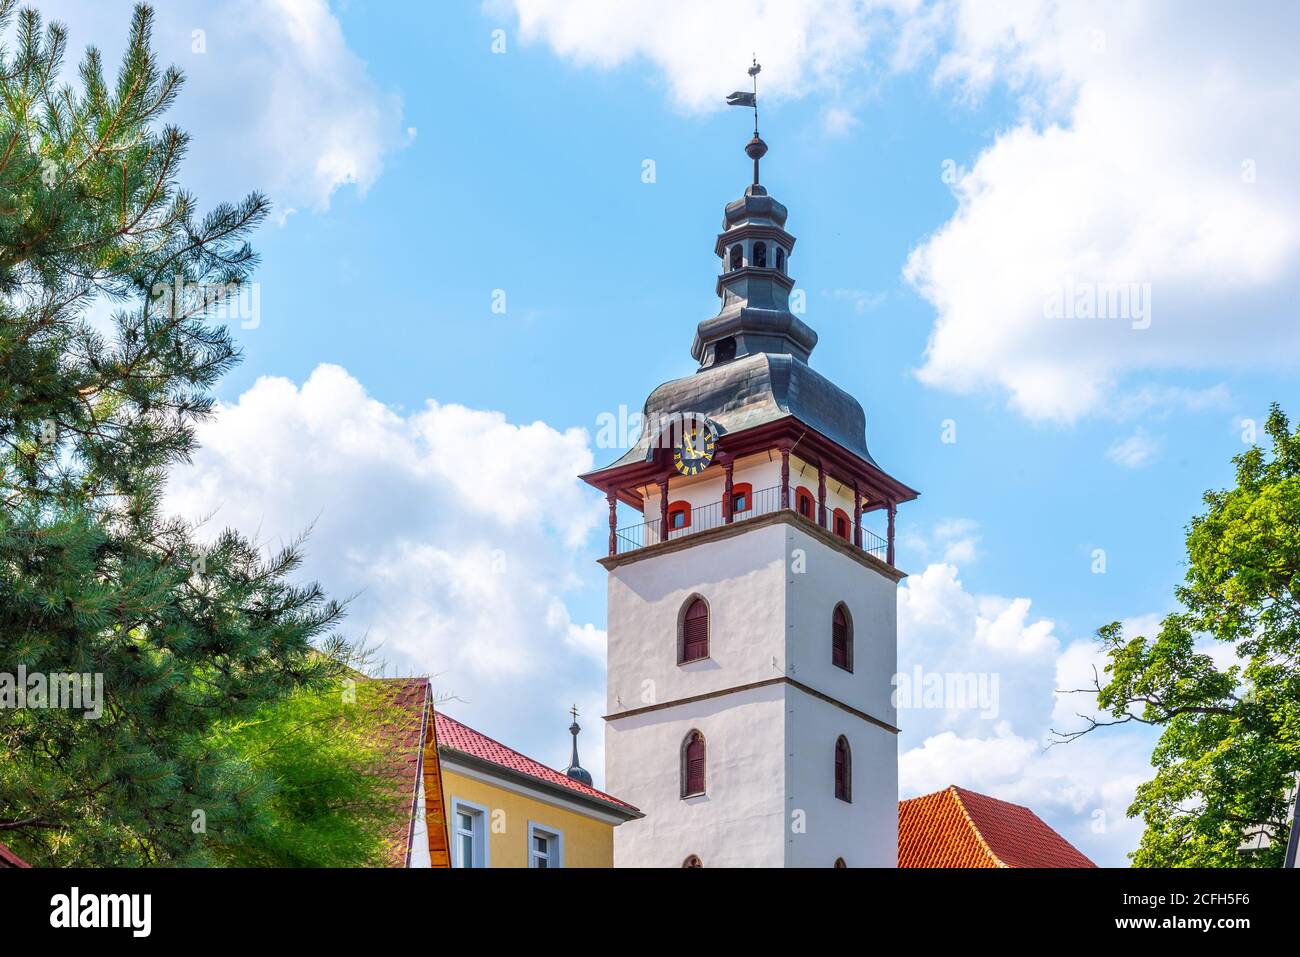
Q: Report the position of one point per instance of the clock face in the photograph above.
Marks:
(694, 451)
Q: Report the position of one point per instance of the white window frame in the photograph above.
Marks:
(480, 840)
(555, 857)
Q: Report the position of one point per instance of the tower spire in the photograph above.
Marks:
(576, 770)
(755, 148)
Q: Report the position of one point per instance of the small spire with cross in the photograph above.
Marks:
(576, 770)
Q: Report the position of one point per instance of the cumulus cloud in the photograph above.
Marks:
(1135, 219)
(456, 530)
(702, 49)
(937, 600)
(275, 99)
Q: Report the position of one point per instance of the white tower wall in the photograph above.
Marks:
(760, 699)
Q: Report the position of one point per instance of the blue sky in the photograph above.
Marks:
(416, 172)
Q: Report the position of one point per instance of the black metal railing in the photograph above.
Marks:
(636, 536)
(874, 544)
(705, 517)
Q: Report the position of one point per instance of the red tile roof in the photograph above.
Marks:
(960, 828)
(9, 859)
(458, 737)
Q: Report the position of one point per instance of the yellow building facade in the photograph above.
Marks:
(503, 809)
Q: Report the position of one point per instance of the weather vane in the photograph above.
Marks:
(741, 98)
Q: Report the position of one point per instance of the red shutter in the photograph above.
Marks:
(695, 632)
(695, 764)
(840, 640)
(805, 503)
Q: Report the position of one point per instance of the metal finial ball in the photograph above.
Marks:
(756, 148)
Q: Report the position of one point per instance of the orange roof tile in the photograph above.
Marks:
(960, 828)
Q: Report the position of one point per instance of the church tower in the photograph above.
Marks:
(752, 614)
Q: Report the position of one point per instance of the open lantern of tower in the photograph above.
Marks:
(752, 623)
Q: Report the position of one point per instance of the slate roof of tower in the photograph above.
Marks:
(756, 390)
(960, 828)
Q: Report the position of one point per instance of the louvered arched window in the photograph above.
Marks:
(842, 638)
(843, 770)
(693, 756)
(737, 256)
(694, 643)
(760, 255)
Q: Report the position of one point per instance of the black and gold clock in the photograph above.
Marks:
(694, 450)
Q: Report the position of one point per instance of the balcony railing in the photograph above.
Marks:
(762, 502)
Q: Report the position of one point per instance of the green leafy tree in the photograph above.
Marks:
(323, 786)
(1230, 746)
(94, 578)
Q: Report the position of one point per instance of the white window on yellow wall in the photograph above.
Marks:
(469, 834)
(545, 846)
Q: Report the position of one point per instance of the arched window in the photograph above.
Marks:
(737, 256)
(694, 643)
(843, 525)
(742, 498)
(693, 765)
(725, 350)
(843, 770)
(839, 862)
(679, 516)
(760, 255)
(780, 259)
(805, 503)
(842, 638)
(692, 861)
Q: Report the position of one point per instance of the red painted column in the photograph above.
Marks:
(727, 466)
(663, 509)
(612, 496)
(785, 475)
(857, 515)
(821, 495)
(890, 553)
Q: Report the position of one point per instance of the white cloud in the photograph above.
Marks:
(973, 763)
(1004, 625)
(936, 600)
(1151, 151)
(703, 49)
(457, 531)
(274, 98)
(1137, 450)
